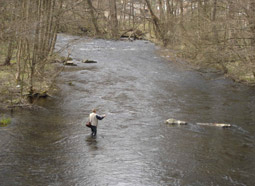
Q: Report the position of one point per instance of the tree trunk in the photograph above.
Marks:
(214, 10)
(156, 22)
(129, 15)
(93, 17)
(18, 58)
(114, 19)
(9, 53)
(214, 22)
(161, 11)
(124, 14)
(55, 28)
(252, 21)
(181, 9)
(133, 14)
(144, 18)
(35, 48)
(168, 10)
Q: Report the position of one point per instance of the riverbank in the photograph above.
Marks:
(236, 69)
(16, 94)
(232, 70)
(9, 89)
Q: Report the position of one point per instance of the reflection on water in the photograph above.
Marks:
(137, 90)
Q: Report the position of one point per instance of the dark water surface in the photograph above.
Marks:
(137, 90)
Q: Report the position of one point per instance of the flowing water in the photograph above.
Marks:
(137, 90)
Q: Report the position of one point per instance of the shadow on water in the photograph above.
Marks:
(138, 91)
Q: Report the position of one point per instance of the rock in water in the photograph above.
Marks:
(70, 63)
(179, 122)
(175, 122)
(223, 125)
(88, 61)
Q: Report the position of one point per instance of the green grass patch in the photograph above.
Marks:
(4, 121)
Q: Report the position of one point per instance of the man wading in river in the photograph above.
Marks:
(93, 118)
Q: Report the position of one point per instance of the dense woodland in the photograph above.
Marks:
(209, 33)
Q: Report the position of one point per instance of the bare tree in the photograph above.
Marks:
(113, 19)
(92, 11)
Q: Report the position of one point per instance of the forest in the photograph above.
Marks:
(218, 34)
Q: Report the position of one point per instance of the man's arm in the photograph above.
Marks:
(100, 117)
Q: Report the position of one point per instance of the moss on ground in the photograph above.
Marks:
(4, 121)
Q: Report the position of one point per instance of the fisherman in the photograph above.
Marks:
(93, 118)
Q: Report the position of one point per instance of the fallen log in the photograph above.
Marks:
(132, 34)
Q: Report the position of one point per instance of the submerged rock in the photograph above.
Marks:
(175, 122)
(70, 83)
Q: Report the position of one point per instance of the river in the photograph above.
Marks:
(137, 90)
